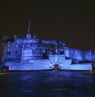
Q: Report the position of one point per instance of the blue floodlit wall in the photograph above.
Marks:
(80, 55)
(63, 64)
(21, 48)
(12, 51)
(27, 53)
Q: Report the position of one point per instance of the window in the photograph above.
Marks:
(8, 52)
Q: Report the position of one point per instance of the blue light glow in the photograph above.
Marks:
(30, 54)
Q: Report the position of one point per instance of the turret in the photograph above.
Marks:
(15, 37)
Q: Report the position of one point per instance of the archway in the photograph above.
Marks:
(56, 67)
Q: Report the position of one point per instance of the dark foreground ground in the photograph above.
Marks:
(47, 84)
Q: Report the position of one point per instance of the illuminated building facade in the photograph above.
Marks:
(31, 54)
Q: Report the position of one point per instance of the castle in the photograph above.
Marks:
(31, 54)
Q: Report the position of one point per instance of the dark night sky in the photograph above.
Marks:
(70, 20)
